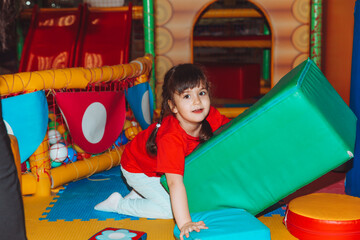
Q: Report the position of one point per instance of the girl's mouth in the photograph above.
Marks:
(198, 111)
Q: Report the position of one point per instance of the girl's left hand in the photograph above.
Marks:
(191, 226)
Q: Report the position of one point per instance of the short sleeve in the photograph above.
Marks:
(171, 154)
(215, 119)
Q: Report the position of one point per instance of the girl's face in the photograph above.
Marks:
(191, 107)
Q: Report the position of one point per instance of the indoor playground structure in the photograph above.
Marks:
(93, 111)
(79, 97)
(289, 43)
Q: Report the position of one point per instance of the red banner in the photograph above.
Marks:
(94, 119)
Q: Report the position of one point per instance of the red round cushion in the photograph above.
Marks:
(324, 216)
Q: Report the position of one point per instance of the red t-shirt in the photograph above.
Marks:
(173, 145)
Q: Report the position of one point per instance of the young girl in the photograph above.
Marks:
(186, 120)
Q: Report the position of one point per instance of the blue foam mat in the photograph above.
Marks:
(229, 223)
(278, 211)
(77, 199)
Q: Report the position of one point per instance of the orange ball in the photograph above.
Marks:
(61, 128)
(52, 116)
(131, 132)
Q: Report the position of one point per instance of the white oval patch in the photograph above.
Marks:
(93, 122)
(145, 107)
(8, 128)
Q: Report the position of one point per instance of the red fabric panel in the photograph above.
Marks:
(94, 119)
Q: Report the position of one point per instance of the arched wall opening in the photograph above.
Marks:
(288, 22)
(232, 40)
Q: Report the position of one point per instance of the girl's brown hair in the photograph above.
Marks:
(177, 80)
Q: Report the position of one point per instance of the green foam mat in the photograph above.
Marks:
(293, 135)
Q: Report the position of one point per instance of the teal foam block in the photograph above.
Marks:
(227, 224)
(296, 133)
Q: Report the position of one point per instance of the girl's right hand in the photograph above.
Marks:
(191, 226)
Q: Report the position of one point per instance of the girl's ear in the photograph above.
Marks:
(172, 106)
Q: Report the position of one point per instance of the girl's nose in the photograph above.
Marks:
(196, 99)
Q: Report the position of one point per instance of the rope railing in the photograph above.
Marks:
(73, 78)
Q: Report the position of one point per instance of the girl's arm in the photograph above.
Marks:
(179, 204)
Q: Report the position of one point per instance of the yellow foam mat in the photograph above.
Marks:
(83, 230)
(278, 230)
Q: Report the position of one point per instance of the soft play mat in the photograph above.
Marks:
(296, 133)
(77, 199)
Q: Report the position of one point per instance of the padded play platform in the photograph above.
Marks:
(296, 133)
(227, 224)
(324, 216)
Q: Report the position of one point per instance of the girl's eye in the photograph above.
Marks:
(202, 93)
(186, 96)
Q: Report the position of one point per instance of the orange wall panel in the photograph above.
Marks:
(338, 28)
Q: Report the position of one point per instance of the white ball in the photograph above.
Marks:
(54, 136)
(58, 152)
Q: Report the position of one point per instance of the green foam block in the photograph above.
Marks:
(293, 135)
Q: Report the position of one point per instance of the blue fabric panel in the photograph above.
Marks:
(26, 117)
(141, 102)
(353, 176)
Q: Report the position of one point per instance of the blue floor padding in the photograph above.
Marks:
(77, 199)
(279, 211)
